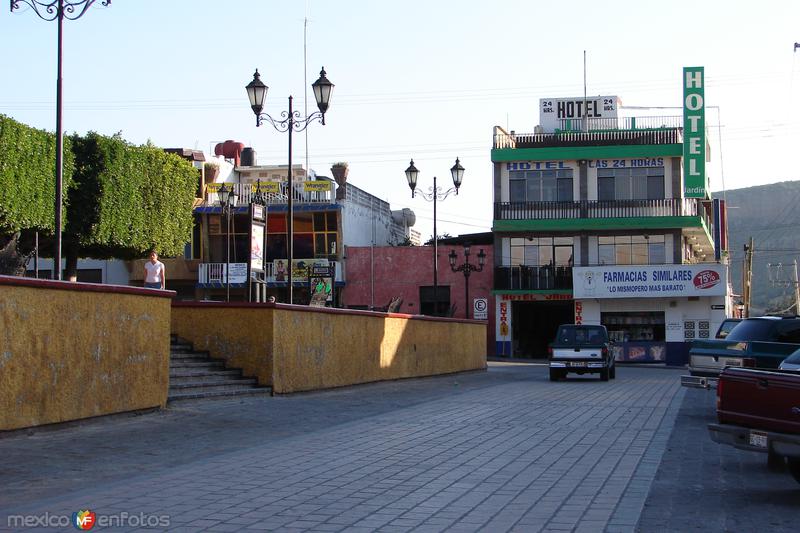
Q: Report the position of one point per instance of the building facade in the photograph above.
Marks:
(605, 219)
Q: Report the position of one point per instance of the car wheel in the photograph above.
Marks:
(794, 467)
(555, 374)
(604, 374)
(775, 462)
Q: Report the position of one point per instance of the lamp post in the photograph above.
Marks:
(467, 268)
(227, 201)
(290, 121)
(435, 194)
(58, 10)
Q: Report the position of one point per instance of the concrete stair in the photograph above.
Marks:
(194, 374)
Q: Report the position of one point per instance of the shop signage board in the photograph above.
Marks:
(552, 111)
(694, 132)
(257, 247)
(651, 281)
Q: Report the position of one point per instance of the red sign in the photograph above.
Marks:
(706, 279)
(578, 312)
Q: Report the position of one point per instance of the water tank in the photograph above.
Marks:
(248, 157)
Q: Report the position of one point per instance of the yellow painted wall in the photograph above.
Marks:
(240, 334)
(73, 350)
(293, 348)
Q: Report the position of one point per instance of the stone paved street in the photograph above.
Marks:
(503, 450)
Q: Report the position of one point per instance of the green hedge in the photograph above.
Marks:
(129, 199)
(27, 177)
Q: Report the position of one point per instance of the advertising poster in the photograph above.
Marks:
(257, 248)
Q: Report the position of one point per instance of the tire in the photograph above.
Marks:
(775, 462)
(555, 374)
(604, 374)
(794, 467)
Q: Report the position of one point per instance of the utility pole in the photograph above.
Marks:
(796, 290)
(747, 278)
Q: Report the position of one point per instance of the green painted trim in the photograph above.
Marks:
(500, 292)
(588, 224)
(564, 153)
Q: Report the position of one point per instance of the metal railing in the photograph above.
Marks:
(211, 273)
(523, 277)
(668, 207)
(246, 192)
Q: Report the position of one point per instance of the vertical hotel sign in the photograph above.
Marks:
(694, 133)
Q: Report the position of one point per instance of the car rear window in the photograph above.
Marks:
(794, 358)
(581, 335)
(753, 330)
(726, 328)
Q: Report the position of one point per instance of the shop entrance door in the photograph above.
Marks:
(534, 325)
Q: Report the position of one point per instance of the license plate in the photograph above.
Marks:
(758, 439)
(577, 363)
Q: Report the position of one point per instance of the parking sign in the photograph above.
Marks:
(480, 309)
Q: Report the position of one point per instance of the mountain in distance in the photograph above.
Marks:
(770, 215)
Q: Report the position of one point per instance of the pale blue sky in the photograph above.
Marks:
(417, 79)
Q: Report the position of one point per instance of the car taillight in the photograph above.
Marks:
(605, 351)
(719, 393)
(549, 351)
(748, 362)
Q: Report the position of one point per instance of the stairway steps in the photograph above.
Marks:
(193, 395)
(194, 374)
(184, 381)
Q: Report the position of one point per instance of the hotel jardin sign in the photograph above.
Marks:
(694, 133)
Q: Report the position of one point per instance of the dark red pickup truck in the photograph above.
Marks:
(760, 410)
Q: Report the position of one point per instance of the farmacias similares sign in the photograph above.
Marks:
(633, 281)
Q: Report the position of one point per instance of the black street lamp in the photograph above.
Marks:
(434, 194)
(227, 201)
(58, 10)
(467, 268)
(291, 121)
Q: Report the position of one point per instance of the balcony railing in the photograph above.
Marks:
(214, 273)
(521, 277)
(601, 132)
(668, 207)
(246, 192)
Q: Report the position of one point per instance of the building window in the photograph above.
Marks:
(542, 251)
(630, 183)
(540, 185)
(438, 306)
(631, 250)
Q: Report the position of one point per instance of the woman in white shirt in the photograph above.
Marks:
(154, 273)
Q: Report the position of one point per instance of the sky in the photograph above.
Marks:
(426, 80)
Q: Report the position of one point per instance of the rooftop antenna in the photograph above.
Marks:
(585, 115)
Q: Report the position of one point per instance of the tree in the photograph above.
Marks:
(429, 242)
(127, 200)
(27, 190)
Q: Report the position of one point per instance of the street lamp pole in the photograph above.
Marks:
(291, 121)
(435, 194)
(58, 10)
(467, 268)
(227, 200)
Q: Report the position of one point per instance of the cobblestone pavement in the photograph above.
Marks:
(496, 451)
(705, 486)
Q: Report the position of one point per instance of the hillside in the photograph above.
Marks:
(769, 214)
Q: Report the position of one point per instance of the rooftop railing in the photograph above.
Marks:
(272, 192)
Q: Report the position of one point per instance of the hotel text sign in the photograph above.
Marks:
(553, 110)
(631, 281)
(694, 133)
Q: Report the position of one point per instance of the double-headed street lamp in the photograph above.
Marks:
(58, 10)
(434, 194)
(227, 201)
(467, 268)
(290, 121)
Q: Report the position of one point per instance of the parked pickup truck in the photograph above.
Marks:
(760, 410)
(581, 349)
(761, 342)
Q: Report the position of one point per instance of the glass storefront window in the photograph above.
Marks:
(631, 250)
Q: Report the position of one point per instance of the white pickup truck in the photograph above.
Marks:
(582, 349)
